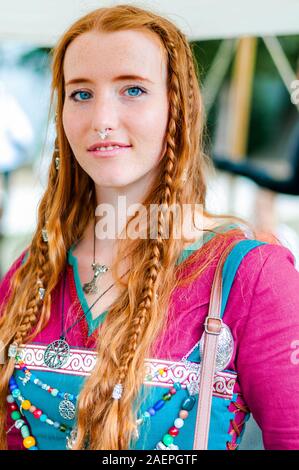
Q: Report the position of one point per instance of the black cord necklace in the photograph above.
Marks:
(58, 352)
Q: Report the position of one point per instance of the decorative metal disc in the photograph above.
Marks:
(67, 409)
(225, 348)
(57, 354)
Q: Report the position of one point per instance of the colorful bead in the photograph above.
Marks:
(161, 446)
(26, 405)
(29, 442)
(167, 439)
(188, 403)
(179, 423)
(19, 423)
(173, 431)
(167, 396)
(172, 390)
(152, 411)
(62, 428)
(13, 407)
(37, 414)
(15, 415)
(43, 418)
(25, 431)
(10, 399)
(54, 392)
(32, 409)
(16, 393)
(157, 406)
(177, 386)
(183, 414)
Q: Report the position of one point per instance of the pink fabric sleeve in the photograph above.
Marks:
(268, 350)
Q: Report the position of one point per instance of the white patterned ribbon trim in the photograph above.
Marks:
(82, 361)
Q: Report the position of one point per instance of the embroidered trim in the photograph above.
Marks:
(81, 362)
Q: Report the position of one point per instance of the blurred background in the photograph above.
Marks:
(248, 58)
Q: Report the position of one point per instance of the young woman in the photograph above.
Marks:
(102, 336)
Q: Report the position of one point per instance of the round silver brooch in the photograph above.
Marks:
(225, 348)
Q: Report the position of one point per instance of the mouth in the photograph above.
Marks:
(109, 151)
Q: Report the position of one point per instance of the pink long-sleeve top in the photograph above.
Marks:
(263, 315)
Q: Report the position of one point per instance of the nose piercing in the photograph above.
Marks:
(103, 134)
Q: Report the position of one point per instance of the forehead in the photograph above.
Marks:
(98, 55)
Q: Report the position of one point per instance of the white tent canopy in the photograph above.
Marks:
(42, 22)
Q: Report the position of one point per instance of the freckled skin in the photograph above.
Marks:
(135, 118)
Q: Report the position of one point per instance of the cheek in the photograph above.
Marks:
(153, 124)
(66, 122)
(71, 126)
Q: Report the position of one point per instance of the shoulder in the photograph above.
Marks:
(265, 293)
(269, 264)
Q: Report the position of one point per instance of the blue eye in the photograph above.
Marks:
(84, 95)
(135, 88)
(72, 96)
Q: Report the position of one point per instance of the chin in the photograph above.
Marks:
(111, 183)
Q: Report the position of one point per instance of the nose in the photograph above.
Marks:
(104, 113)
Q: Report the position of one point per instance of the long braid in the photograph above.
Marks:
(28, 317)
(140, 321)
(28, 320)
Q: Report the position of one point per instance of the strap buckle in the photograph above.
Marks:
(213, 325)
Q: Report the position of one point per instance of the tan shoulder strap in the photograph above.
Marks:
(213, 324)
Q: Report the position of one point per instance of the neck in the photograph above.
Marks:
(113, 205)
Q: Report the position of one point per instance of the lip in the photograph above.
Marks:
(109, 153)
(107, 143)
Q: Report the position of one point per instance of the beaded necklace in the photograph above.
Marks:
(29, 441)
(67, 405)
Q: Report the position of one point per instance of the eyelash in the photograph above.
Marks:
(72, 95)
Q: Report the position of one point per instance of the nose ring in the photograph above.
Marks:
(103, 134)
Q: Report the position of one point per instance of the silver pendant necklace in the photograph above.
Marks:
(57, 353)
(98, 269)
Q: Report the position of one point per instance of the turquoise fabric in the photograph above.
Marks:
(49, 438)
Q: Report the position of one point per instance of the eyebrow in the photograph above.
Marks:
(116, 79)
